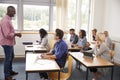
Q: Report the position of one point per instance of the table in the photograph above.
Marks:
(35, 48)
(97, 62)
(34, 63)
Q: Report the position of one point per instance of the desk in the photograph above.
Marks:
(97, 62)
(37, 64)
(35, 48)
(73, 49)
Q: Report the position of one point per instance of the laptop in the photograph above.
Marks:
(88, 54)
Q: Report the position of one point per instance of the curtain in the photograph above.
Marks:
(61, 7)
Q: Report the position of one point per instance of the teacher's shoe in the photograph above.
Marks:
(13, 73)
(9, 78)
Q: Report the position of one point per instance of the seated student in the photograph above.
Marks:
(73, 37)
(60, 51)
(94, 32)
(82, 41)
(108, 41)
(100, 50)
(44, 39)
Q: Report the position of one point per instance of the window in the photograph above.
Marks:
(54, 17)
(85, 14)
(36, 17)
(71, 14)
(3, 10)
(42, 14)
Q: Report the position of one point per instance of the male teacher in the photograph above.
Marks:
(7, 41)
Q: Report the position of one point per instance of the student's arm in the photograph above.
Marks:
(61, 51)
(101, 50)
(48, 56)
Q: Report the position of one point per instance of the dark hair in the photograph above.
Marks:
(83, 33)
(94, 30)
(42, 33)
(10, 7)
(59, 33)
(72, 29)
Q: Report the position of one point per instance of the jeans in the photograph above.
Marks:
(9, 56)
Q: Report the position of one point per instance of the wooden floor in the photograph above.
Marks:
(19, 65)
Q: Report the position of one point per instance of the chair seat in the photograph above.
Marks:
(63, 75)
(54, 75)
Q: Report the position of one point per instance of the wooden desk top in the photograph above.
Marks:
(35, 63)
(72, 48)
(34, 48)
(96, 62)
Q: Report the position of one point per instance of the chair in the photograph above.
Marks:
(112, 52)
(52, 42)
(63, 75)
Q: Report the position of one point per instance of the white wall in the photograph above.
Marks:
(112, 24)
(112, 18)
(107, 17)
(98, 14)
(19, 47)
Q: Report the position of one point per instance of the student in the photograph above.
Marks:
(94, 32)
(108, 41)
(100, 50)
(73, 37)
(44, 39)
(82, 41)
(7, 41)
(60, 51)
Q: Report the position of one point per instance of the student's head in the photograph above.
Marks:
(42, 33)
(100, 37)
(94, 31)
(82, 33)
(106, 33)
(11, 11)
(72, 31)
(58, 34)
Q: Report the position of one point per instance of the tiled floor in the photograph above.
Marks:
(19, 65)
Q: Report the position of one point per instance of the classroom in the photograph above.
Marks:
(59, 40)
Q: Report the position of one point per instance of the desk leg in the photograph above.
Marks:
(87, 74)
(59, 75)
(26, 76)
(112, 72)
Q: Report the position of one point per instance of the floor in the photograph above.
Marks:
(19, 65)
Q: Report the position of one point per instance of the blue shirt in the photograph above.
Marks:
(82, 42)
(61, 51)
(74, 39)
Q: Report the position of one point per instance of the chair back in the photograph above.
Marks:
(70, 63)
(112, 52)
(52, 42)
(113, 46)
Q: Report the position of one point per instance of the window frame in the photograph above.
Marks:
(50, 3)
(21, 3)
